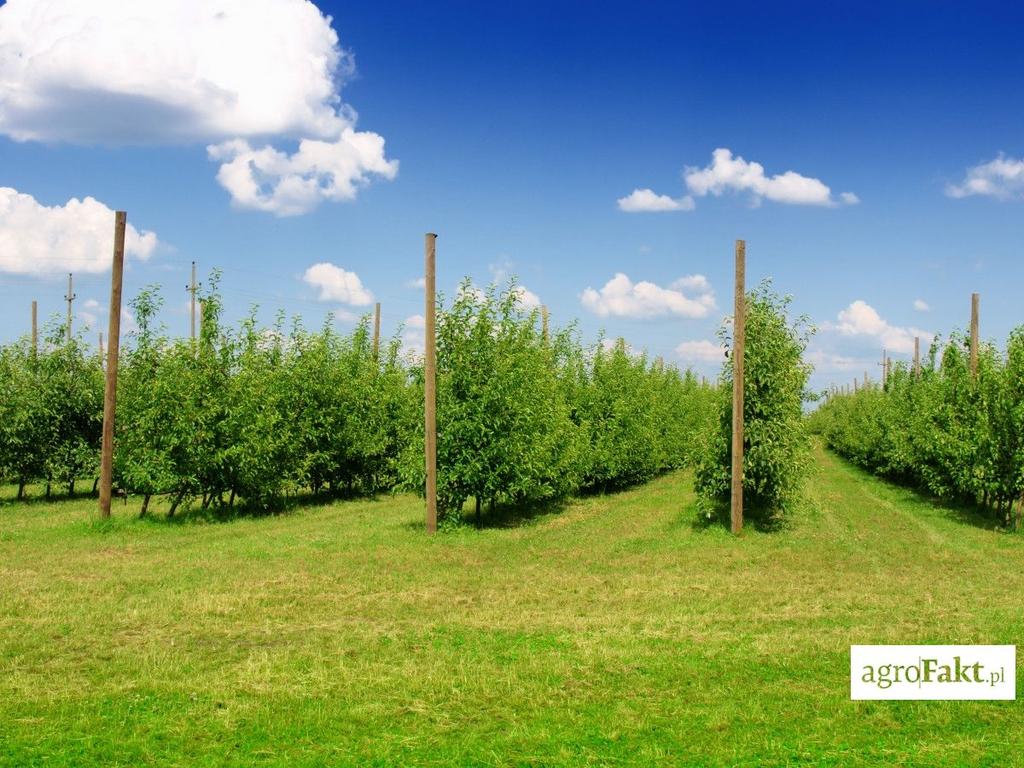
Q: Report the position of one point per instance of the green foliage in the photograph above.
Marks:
(775, 452)
(955, 435)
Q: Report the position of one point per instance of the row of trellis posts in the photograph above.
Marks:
(112, 353)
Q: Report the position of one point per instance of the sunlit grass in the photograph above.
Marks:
(613, 631)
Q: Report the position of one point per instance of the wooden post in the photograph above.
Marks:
(739, 342)
(69, 299)
(917, 357)
(101, 346)
(113, 347)
(191, 288)
(865, 379)
(376, 332)
(430, 381)
(544, 324)
(975, 298)
(855, 386)
(35, 329)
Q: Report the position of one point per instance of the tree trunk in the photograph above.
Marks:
(95, 484)
(477, 511)
(231, 499)
(47, 489)
(21, 490)
(175, 503)
(71, 487)
(145, 506)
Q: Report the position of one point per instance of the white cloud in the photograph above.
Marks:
(266, 179)
(861, 319)
(1001, 178)
(337, 284)
(728, 173)
(419, 283)
(648, 201)
(527, 298)
(413, 335)
(921, 305)
(621, 297)
(78, 236)
(702, 351)
(193, 71)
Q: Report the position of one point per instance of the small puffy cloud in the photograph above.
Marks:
(648, 201)
(621, 297)
(702, 351)
(418, 283)
(527, 298)
(921, 305)
(413, 335)
(861, 319)
(1001, 178)
(336, 284)
(729, 173)
(218, 72)
(78, 236)
(267, 179)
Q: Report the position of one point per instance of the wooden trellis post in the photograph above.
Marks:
(35, 329)
(975, 299)
(376, 332)
(113, 347)
(739, 343)
(70, 298)
(917, 357)
(430, 381)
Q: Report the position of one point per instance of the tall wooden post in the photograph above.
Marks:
(191, 288)
(35, 329)
(544, 324)
(975, 298)
(739, 343)
(113, 347)
(376, 332)
(430, 380)
(917, 357)
(69, 299)
(101, 346)
(865, 379)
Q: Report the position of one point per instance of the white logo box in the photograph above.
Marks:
(933, 672)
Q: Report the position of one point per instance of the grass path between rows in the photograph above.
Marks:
(615, 631)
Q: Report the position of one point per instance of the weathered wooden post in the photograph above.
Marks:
(975, 299)
(430, 381)
(544, 324)
(191, 288)
(35, 329)
(113, 347)
(739, 342)
(376, 332)
(917, 357)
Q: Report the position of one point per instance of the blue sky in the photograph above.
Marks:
(516, 129)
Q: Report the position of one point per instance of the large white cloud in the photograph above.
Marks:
(334, 283)
(78, 236)
(1001, 178)
(861, 319)
(209, 71)
(729, 173)
(621, 297)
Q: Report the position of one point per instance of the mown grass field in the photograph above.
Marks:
(612, 632)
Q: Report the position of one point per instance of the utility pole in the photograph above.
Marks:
(739, 324)
(192, 288)
(430, 379)
(110, 387)
(69, 299)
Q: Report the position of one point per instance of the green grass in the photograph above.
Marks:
(613, 632)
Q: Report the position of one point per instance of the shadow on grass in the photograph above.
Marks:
(718, 515)
(501, 516)
(963, 511)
